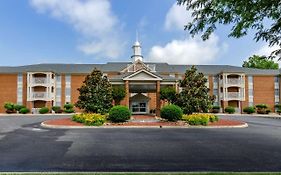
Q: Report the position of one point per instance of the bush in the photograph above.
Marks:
(69, 110)
(18, 107)
(119, 114)
(44, 110)
(57, 109)
(90, 119)
(249, 110)
(171, 112)
(200, 119)
(24, 110)
(68, 106)
(215, 109)
(262, 109)
(278, 111)
(230, 109)
(267, 111)
(10, 107)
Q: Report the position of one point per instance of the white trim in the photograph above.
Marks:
(130, 77)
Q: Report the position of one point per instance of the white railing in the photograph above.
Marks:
(39, 95)
(234, 81)
(234, 96)
(38, 80)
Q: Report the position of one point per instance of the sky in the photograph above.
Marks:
(100, 31)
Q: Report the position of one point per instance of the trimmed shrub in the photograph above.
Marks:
(68, 108)
(215, 109)
(44, 110)
(249, 110)
(230, 109)
(267, 111)
(10, 107)
(200, 119)
(57, 109)
(171, 112)
(18, 107)
(262, 109)
(119, 114)
(90, 119)
(24, 110)
(278, 111)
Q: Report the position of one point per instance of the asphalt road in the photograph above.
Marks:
(25, 146)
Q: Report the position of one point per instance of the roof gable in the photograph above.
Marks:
(143, 75)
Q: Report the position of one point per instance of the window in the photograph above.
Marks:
(251, 92)
(19, 89)
(276, 79)
(67, 88)
(250, 79)
(276, 92)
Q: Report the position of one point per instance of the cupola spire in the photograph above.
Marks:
(137, 50)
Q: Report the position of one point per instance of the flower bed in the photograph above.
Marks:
(90, 119)
(200, 119)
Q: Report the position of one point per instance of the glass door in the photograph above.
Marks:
(138, 107)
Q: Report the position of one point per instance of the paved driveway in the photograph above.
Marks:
(25, 146)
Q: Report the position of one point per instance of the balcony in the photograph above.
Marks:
(232, 82)
(39, 96)
(39, 81)
(232, 96)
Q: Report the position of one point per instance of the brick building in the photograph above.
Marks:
(40, 85)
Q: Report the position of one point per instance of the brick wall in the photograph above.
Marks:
(8, 89)
(264, 90)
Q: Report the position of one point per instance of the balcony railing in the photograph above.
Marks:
(232, 96)
(234, 81)
(39, 80)
(39, 95)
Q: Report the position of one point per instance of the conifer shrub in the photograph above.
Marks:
(262, 109)
(119, 114)
(171, 113)
(249, 110)
(68, 108)
(57, 109)
(230, 110)
(10, 107)
(44, 110)
(215, 109)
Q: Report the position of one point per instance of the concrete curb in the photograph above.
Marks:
(250, 115)
(34, 115)
(245, 125)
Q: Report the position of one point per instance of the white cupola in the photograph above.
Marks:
(137, 56)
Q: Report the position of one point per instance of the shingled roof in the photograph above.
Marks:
(118, 66)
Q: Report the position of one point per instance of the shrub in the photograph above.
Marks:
(230, 109)
(18, 107)
(278, 111)
(262, 108)
(249, 110)
(10, 107)
(119, 114)
(68, 108)
(200, 119)
(267, 111)
(57, 109)
(171, 112)
(215, 109)
(44, 110)
(24, 110)
(90, 119)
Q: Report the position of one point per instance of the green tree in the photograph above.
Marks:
(194, 96)
(95, 93)
(168, 93)
(260, 62)
(118, 94)
(261, 16)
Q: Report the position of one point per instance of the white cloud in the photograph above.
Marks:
(266, 50)
(91, 18)
(188, 51)
(177, 17)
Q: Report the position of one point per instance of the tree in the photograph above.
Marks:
(260, 62)
(95, 93)
(168, 93)
(194, 96)
(262, 16)
(118, 94)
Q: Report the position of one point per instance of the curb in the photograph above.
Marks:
(251, 115)
(245, 125)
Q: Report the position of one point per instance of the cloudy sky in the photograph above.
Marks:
(99, 31)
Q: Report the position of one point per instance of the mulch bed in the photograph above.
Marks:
(69, 122)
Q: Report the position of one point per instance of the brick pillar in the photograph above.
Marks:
(127, 97)
(158, 103)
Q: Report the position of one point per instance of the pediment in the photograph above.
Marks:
(143, 75)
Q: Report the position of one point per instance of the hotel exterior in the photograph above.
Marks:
(41, 85)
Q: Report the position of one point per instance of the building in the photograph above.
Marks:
(40, 85)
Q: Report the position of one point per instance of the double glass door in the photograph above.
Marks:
(139, 107)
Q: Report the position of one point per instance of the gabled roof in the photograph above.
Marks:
(141, 75)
